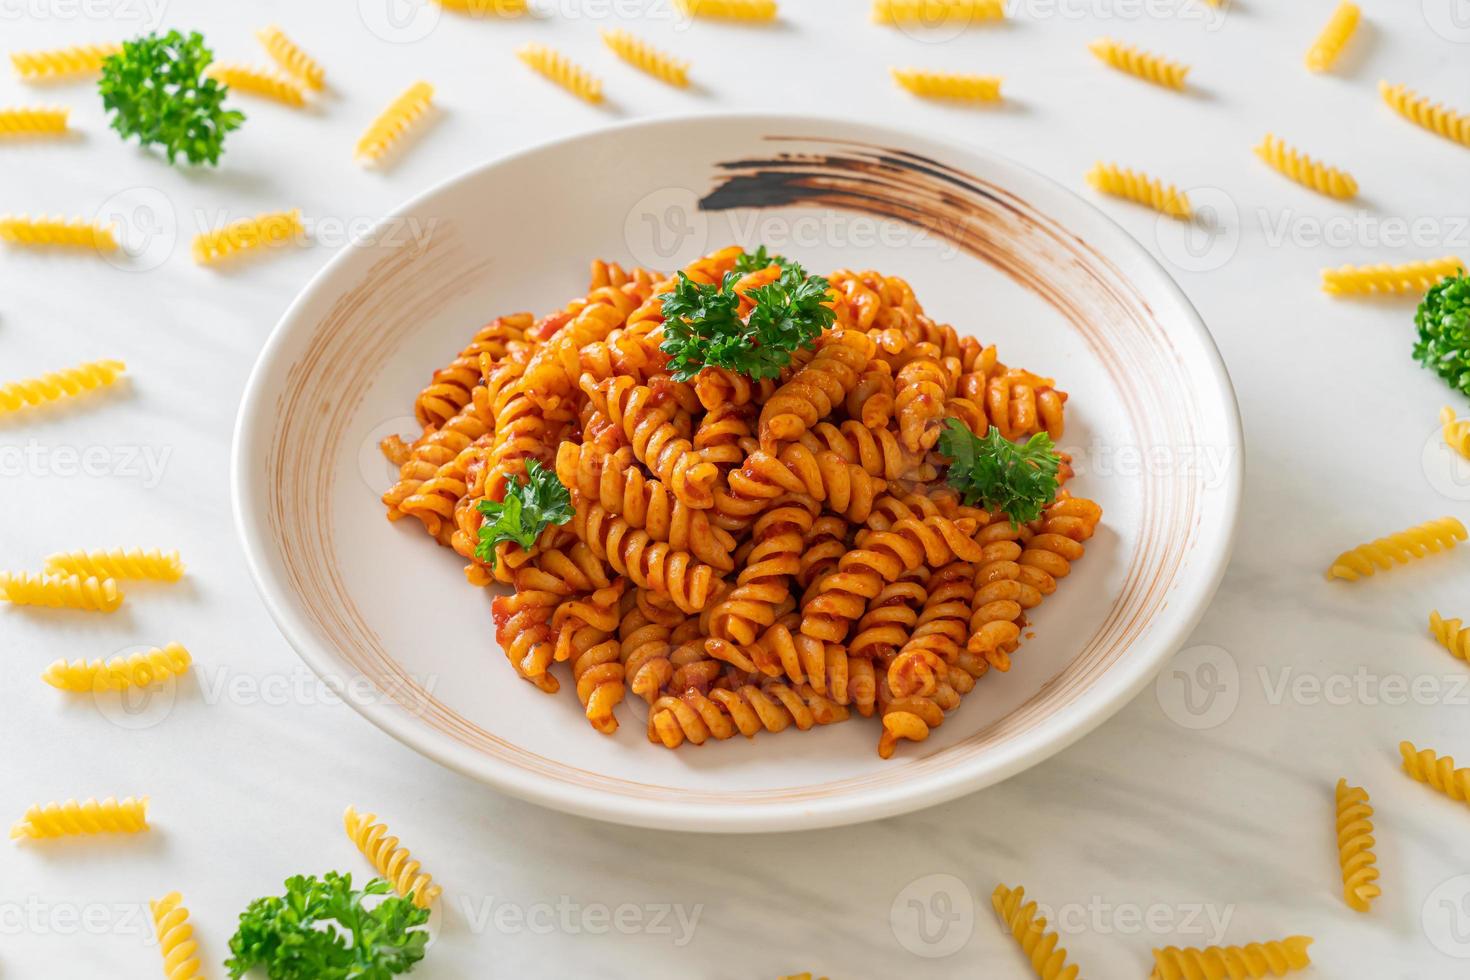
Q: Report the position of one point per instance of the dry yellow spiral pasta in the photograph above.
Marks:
(53, 385)
(286, 53)
(557, 67)
(1139, 187)
(1019, 917)
(111, 816)
(1436, 771)
(119, 673)
(949, 85)
(729, 9)
(1149, 67)
(1456, 433)
(1430, 115)
(500, 8)
(394, 121)
(32, 122)
(21, 229)
(138, 564)
(247, 234)
(936, 11)
(390, 860)
(61, 62)
(1355, 846)
(1275, 958)
(60, 591)
(1334, 37)
(1415, 542)
(645, 57)
(175, 935)
(258, 81)
(1304, 170)
(1410, 277)
(1451, 635)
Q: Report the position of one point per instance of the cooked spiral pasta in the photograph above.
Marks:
(1438, 772)
(246, 235)
(20, 229)
(388, 859)
(82, 59)
(54, 385)
(1142, 64)
(1140, 188)
(949, 85)
(175, 937)
(1450, 634)
(1430, 115)
(394, 122)
(812, 392)
(1276, 958)
(119, 673)
(1335, 35)
(60, 591)
(646, 58)
(557, 67)
(1301, 168)
(1410, 277)
(729, 9)
(259, 81)
(68, 818)
(33, 122)
(649, 564)
(1355, 846)
(286, 53)
(1040, 944)
(927, 12)
(656, 440)
(741, 708)
(1398, 548)
(118, 563)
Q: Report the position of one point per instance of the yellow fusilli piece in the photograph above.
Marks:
(501, 8)
(1430, 115)
(1438, 772)
(1334, 37)
(15, 395)
(261, 231)
(32, 122)
(286, 53)
(1139, 187)
(1275, 958)
(111, 816)
(949, 85)
(1456, 433)
(60, 591)
(20, 229)
(394, 121)
(390, 860)
(1048, 960)
(1415, 542)
(62, 62)
(1410, 277)
(936, 11)
(645, 57)
(1355, 846)
(161, 566)
(175, 937)
(556, 67)
(1149, 67)
(1450, 634)
(258, 81)
(119, 673)
(729, 9)
(1310, 173)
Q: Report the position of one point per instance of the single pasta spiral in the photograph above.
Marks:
(1355, 846)
(500, 8)
(656, 441)
(1275, 958)
(558, 68)
(645, 57)
(1334, 37)
(1139, 187)
(81, 59)
(1430, 115)
(391, 125)
(764, 582)
(175, 936)
(949, 85)
(60, 591)
(825, 381)
(32, 122)
(15, 395)
(1040, 944)
(248, 234)
(1436, 771)
(1416, 542)
(390, 860)
(1451, 635)
(111, 816)
(647, 563)
(1410, 277)
(586, 628)
(57, 232)
(1456, 433)
(1301, 168)
(729, 9)
(258, 81)
(119, 673)
(288, 55)
(118, 563)
(746, 709)
(1149, 67)
(935, 12)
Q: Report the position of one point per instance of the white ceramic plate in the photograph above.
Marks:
(383, 614)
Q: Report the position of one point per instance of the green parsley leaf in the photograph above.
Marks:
(993, 472)
(526, 511)
(156, 90)
(749, 262)
(1443, 319)
(321, 930)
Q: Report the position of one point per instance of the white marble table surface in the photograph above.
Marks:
(1182, 820)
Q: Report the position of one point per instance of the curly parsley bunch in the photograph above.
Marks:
(1443, 320)
(155, 90)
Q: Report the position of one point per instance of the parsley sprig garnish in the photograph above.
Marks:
(321, 930)
(1443, 320)
(703, 328)
(1017, 479)
(156, 90)
(526, 511)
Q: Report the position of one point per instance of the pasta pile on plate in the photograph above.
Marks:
(744, 555)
